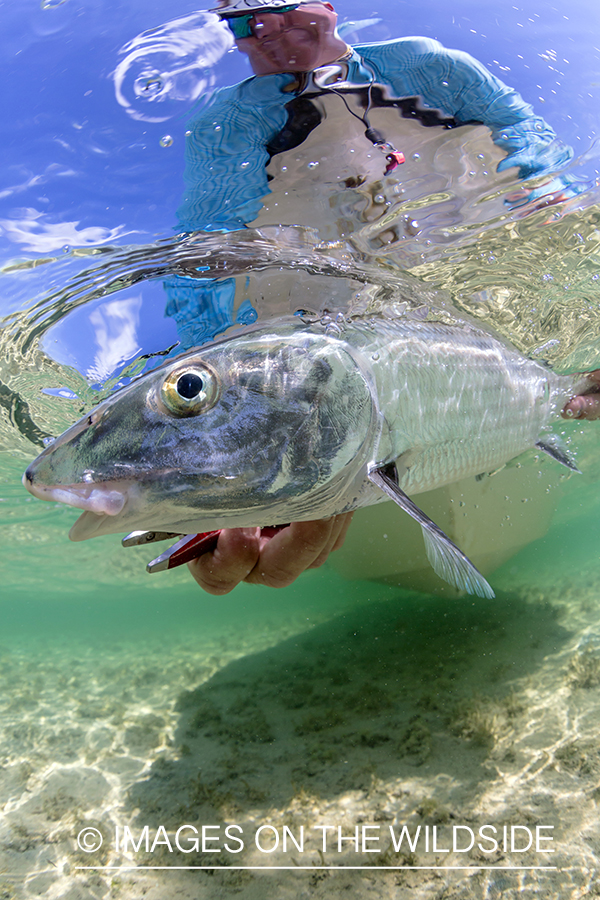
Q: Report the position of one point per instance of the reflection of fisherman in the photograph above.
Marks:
(242, 166)
(298, 55)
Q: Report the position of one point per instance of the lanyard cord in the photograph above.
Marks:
(393, 157)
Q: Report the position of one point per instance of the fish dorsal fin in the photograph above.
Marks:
(447, 560)
(554, 447)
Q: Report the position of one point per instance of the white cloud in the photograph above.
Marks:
(115, 326)
(54, 170)
(34, 232)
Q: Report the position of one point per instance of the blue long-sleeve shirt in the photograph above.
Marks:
(229, 147)
(227, 150)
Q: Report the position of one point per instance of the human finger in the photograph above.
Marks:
(290, 552)
(344, 526)
(341, 523)
(594, 377)
(583, 406)
(235, 555)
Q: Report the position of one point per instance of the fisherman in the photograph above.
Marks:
(299, 62)
(246, 152)
(297, 56)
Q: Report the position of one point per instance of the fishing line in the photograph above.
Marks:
(393, 157)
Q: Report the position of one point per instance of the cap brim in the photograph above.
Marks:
(230, 13)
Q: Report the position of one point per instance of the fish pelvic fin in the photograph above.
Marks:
(554, 447)
(448, 560)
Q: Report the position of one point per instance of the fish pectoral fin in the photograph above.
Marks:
(554, 447)
(447, 560)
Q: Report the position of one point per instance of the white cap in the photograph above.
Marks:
(246, 7)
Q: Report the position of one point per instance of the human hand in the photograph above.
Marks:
(265, 556)
(527, 200)
(558, 189)
(585, 406)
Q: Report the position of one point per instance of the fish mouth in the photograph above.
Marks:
(104, 499)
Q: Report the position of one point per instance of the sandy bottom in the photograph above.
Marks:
(401, 710)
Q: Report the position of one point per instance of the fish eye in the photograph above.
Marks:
(189, 390)
(189, 385)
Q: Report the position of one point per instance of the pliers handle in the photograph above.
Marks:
(188, 547)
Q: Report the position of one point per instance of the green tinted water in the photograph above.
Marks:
(137, 700)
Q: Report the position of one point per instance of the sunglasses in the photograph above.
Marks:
(240, 25)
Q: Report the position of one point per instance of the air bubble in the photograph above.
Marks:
(313, 165)
(166, 141)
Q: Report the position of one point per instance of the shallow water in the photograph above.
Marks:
(134, 700)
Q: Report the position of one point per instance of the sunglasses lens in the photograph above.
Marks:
(240, 26)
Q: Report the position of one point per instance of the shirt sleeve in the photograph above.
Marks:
(225, 175)
(463, 88)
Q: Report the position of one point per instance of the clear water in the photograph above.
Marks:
(135, 700)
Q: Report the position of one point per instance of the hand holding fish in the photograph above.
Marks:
(268, 557)
(585, 406)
